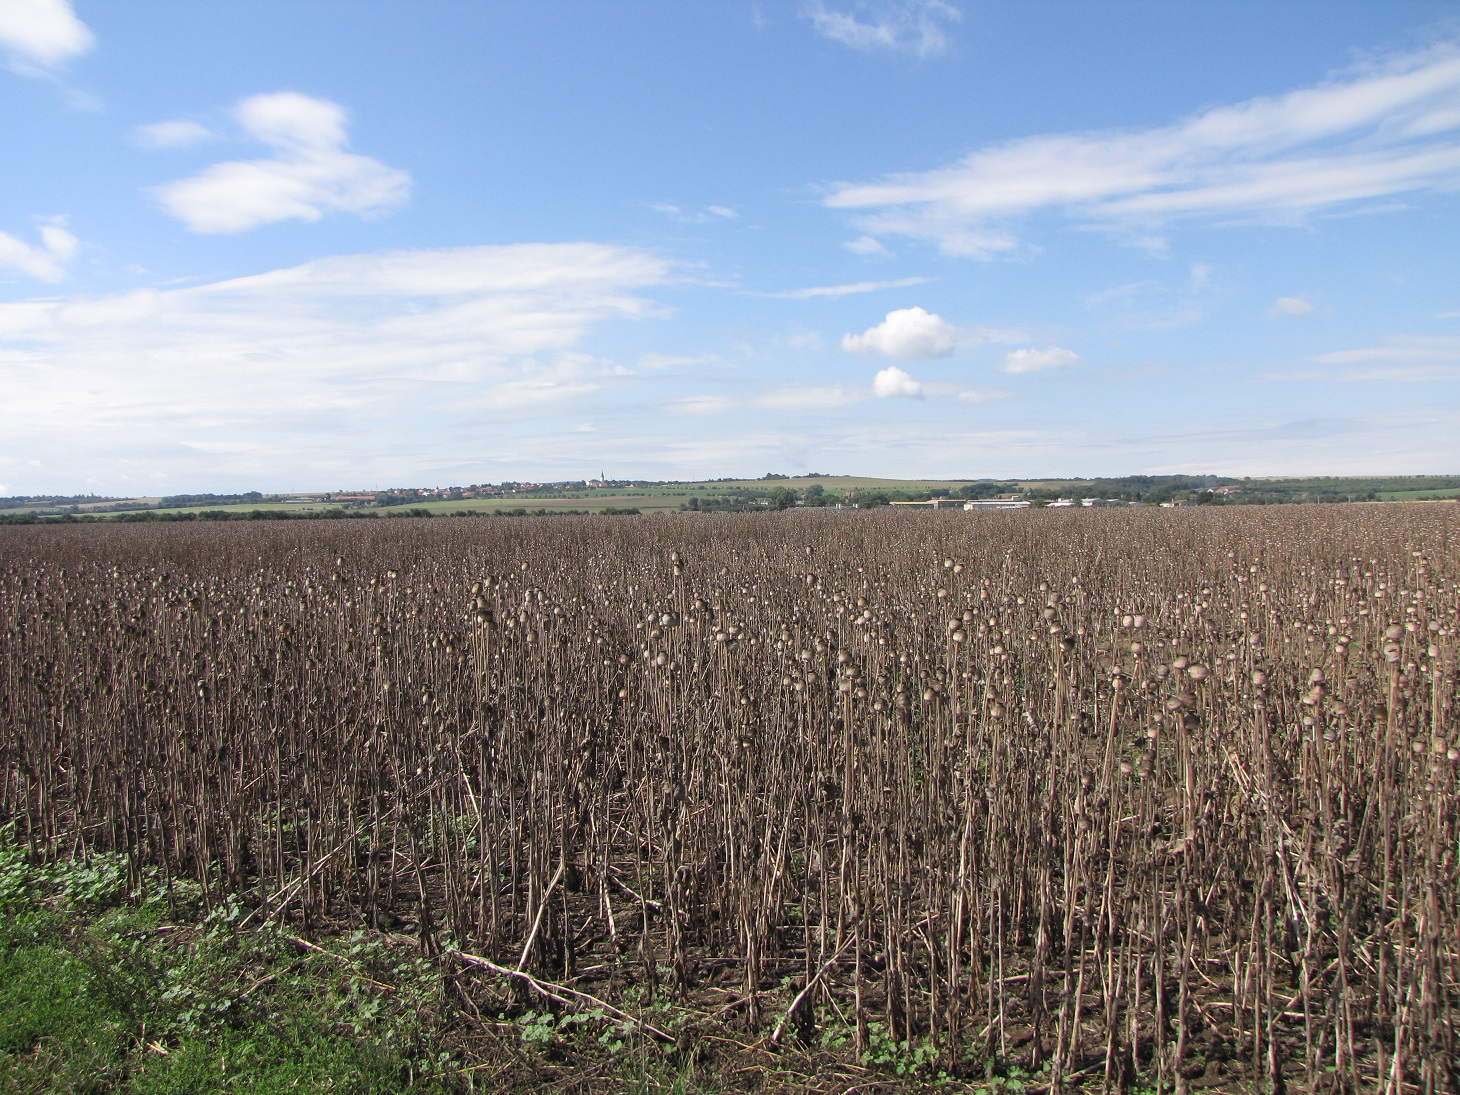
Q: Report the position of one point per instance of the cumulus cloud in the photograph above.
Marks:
(1037, 361)
(309, 175)
(1376, 132)
(893, 382)
(171, 134)
(45, 261)
(334, 370)
(902, 26)
(40, 34)
(1298, 305)
(906, 332)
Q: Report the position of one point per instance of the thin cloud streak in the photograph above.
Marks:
(45, 261)
(835, 291)
(1401, 348)
(377, 351)
(1377, 132)
(177, 133)
(917, 27)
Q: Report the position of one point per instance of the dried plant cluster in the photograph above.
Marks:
(1112, 792)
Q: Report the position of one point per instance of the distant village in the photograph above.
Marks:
(770, 492)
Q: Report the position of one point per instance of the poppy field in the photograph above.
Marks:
(1126, 798)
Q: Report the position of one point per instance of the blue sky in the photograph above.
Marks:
(288, 246)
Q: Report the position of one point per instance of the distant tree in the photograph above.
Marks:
(782, 498)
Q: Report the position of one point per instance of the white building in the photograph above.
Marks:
(996, 503)
(932, 503)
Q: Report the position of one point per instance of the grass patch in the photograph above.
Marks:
(111, 989)
(101, 992)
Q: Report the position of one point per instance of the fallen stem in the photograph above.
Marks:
(561, 993)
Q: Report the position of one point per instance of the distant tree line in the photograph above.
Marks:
(181, 501)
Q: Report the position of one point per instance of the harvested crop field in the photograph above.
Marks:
(1112, 798)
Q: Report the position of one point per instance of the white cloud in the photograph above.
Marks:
(704, 216)
(657, 362)
(309, 175)
(1402, 359)
(1298, 305)
(978, 398)
(343, 369)
(704, 404)
(40, 34)
(1401, 348)
(1377, 132)
(1154, 305)
(1038, 361)
(788, 398)
(810, 341)
(893, 382)
(906, 332)
(171, 134)
(866, 245)
(834, 291)
(902, 26)
(45, 261)
(810, 397)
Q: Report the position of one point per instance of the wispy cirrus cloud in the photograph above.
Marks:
(324, 370)
(1386, 129)
(1039, 360)
(1297, 305)
(176, 133)
(1401, 359)
(45, 261)
(918, 27)
(1400, 348)
(782, 398)
(835, 291)
(704, 404)
(867, 245)
(831, 399)
(809, 397)
(309, 175)
(706, 215)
